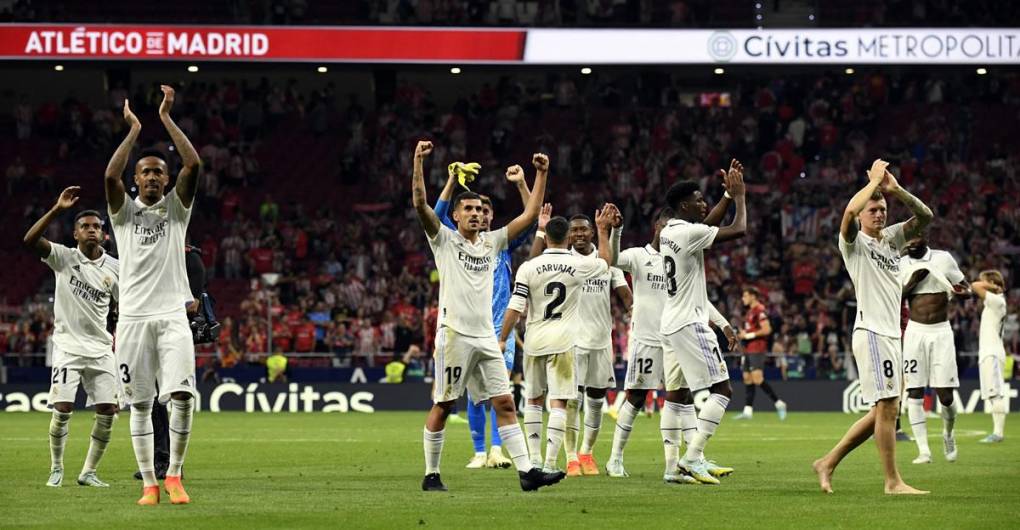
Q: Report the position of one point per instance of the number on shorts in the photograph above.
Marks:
(452, 374)
(887, 368)
(560, 292)
(126, 377)
(717, 354)
(670, 267)
(58, 373)
(645, 366)
(910, 366)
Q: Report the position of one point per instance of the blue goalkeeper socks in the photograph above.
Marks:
(476, 421)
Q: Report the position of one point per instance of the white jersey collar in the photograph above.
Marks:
(140, 204)
(82, 258)
(651, 250)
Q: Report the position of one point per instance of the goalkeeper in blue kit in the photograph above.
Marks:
(502, 281)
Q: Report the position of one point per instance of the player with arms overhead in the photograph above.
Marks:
(86, 283)
(991, 352)
(871, 252)
(467, 354)
(154, 343)
(929, 352)
(690, 349)
(550, 285)
(645, 365)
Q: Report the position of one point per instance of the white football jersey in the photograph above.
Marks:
(645, 267)
(81, 300)
(596, 323)
(943, 272)
(682, 246)
(150, 244)
(551, 286)
(465, 279)
(874, 267)
(993, 317)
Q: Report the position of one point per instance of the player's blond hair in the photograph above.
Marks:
(994, 277)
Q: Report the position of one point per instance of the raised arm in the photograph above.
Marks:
(33, 238)
(534, 204)
(922, 213)
(114, 182)
(538, 245)
(518, 180)
(982, 288)
(718, 212)
(187, 179)
(849, 226)
(734, 183)
(606, 219)
(442, 208)
(426, 215)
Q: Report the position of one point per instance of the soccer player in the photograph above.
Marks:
(550, 287)
(645, 363)
(154, 342)
(690, 350)
(86, 283)
(871, 253)
(501, 280)
(929, 352)
(991, 352)
(593, 352)
(467, 353)
(757, 328)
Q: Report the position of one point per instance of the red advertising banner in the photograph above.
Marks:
(265, 43)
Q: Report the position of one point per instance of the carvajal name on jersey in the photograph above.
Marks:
(474, 263)
(555, 267)
(150, 235)
(85, 291)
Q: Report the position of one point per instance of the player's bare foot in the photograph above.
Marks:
(150, 496)
(176, 490)
(824, 473)
(903, 489)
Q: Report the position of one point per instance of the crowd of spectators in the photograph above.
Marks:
(541, 13)
(357, 284)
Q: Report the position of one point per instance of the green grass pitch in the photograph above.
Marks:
(364, 471)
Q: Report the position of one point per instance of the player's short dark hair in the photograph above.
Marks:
(556, 229)
(681, 191)
(486, 201)
(753, 291)
(87, 213)
(877, 196)
(580, 217)
(664, 214)
(465, 196)
(155, 153)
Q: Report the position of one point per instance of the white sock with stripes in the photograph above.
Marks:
(592, 423)
(554, 434)
(688, 422)
(918, 424)
(669, 427)
(101, 430)
(624, 424)
(58, 437)
(181, 413)
(711, 414)
(433, 442)
(142, 441)
(513, 442)
(533, 429)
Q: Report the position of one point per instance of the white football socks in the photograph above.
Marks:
(433, 442)
(513, 441)
(948, 418)
(181, 413)
(592, 423)
(573, 427)
(101, 430)
(669, 427)
(555, 433)
(998, 407)
(624, 424)
(918, 424)
(533, 430)
(58, 437)
(142, 441)
(709, 419)
(688, 422)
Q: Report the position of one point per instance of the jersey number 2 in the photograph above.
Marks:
(560, 294)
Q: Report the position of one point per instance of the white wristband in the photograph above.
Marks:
(727, 194)
(539, 233)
